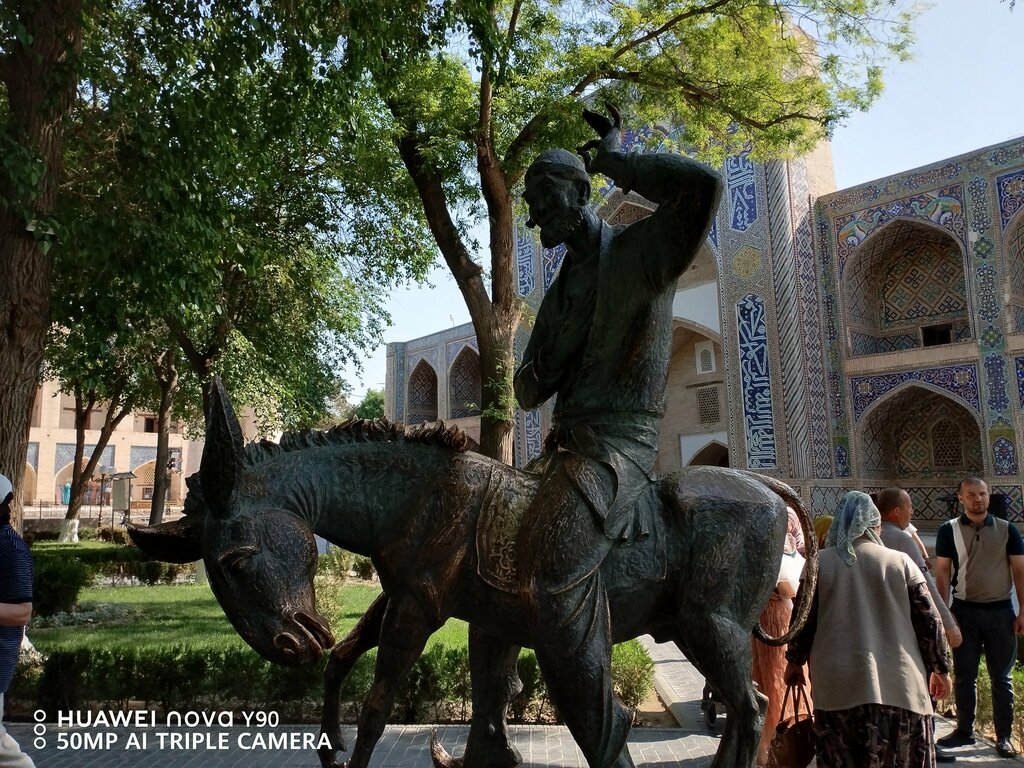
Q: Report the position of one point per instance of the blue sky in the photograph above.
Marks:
(961, 91)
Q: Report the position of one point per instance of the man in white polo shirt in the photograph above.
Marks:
(981, 558)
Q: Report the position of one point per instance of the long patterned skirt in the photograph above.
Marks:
(769, 664)
(873, 736)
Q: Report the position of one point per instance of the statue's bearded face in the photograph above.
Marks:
(556, 205)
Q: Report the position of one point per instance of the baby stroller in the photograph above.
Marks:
(708, 706)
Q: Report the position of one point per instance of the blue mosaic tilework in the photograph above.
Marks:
(140, 454)
(534, 434)
(995, 367)
(927, 505)
(1006, 155)
(455, 347)
(65, 454)
(991, 337)
(825, 501)
(866, 344)
(842, 461)
(524, 259)
(961, 381)
(1010, 191)
(551, 259)
(1019, 362)
(948, 172)
(978, 189)
(803, 254)
(430, 355)
(739, 177)
(401, 374)
(32, 459)
(944, 208)
(713, 234)
(1016, 500)
(789, 350)
(1004, 457)
(752, 331)
(988, 301)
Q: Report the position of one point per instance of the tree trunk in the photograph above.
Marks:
(167, 375)
(40, 86)
(83, 469)
(83, 413)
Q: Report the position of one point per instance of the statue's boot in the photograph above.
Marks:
(574, 652)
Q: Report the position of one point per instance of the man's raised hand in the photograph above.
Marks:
(607, 129)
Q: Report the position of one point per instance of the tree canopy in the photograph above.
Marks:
(467, 94)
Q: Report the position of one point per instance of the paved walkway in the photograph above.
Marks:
(691, 745)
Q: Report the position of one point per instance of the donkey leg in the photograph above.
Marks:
(364, 636)
(404, 632)
(492, 665)
(720, 648)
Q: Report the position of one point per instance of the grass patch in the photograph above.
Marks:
(189, 614)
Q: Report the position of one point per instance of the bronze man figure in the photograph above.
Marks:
(601, 343)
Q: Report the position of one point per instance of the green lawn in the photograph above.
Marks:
(170, 615)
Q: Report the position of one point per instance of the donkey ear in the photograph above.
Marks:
(174, 542)
(223, 453)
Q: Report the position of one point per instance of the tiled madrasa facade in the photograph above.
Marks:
(857, 338)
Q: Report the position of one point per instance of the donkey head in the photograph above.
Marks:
(260, 558)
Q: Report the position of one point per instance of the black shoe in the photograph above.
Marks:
(955, 739)
(1004, 748)
(943, 757)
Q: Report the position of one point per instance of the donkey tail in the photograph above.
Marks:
(805, 595)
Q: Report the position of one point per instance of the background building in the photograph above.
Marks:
(857, 338)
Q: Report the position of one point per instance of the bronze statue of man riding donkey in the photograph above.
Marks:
(585, 548)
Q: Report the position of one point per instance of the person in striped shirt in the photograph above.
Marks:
(15, 611)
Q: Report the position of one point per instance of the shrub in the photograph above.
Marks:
(534, 690)
(335, 562)
(117, 534)
(56, 584)
(632, 672)
(363, 567)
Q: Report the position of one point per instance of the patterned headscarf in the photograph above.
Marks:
(856, 517)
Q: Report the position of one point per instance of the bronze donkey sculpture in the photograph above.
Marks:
(438, 522)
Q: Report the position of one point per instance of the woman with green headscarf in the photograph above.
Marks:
(876, 649)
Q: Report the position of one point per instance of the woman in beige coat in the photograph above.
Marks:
(876, 649)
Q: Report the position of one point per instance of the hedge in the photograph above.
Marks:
(62, 571)
(185, 677)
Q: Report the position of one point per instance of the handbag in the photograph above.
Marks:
(793, 743)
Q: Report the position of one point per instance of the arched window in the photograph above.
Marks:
(422, 394)
(464, 385)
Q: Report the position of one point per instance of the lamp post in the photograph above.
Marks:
(104, 476)
(127, 516)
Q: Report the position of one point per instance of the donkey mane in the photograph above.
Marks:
(359, 431)
(347, 433)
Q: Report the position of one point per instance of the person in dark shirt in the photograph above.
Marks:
(980, 559)
(15, 611)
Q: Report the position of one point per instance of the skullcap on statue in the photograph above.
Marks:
(562, 162)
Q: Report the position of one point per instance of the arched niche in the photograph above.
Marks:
(917, 433)
(703, 269)
(695, 400)
(1015, 274)
(464, 393)
(28, 485)
(905, 287)
(422, 394)
(714, 454)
